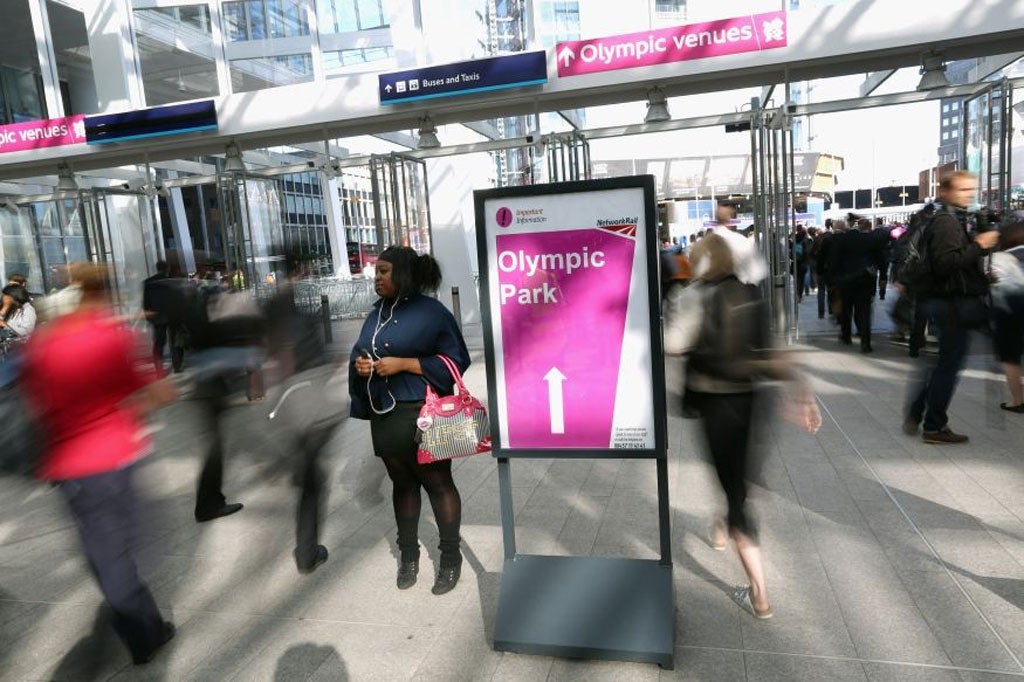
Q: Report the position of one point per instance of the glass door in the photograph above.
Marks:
(987, 143)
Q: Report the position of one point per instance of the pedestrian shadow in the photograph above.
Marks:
(303, 661)
(1010, 590)
(96, 656)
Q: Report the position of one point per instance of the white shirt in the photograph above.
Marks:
(750, 266)
(23, 320)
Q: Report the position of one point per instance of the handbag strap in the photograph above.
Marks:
(460, 386)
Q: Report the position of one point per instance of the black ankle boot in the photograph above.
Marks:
(447, 579)
(407, 571)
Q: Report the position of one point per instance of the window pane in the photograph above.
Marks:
(256, 74)
(235, 27)
(24, 95)
(295, 20)
(371, 14)
(352, 61)
(257, 20)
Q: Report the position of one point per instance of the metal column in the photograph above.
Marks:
(771, 142)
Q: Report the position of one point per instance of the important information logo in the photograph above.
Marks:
(503, 216)
(506, 217)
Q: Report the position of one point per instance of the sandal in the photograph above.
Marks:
(1019, 409)
(742, 597)
(718, 536)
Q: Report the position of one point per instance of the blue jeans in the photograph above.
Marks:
(932, 391)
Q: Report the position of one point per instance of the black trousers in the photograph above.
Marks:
(855, 306)
(310, 478)
(212, 395)
(726, 418)
(104, 507)
(162, 333)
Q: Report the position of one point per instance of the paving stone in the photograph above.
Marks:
(893, 672)
(770, 667)
(696, 664)
(848, 575)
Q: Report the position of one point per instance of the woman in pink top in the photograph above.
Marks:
(82, 380)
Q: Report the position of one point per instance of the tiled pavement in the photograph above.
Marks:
(888, 559)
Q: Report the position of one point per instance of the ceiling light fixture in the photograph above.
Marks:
(233, 158)
(657, 107)
(933, 72)
(428, 134)
(66, 179)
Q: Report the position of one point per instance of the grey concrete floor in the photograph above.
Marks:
(887, 558)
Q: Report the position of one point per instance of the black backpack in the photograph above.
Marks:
(912, 266)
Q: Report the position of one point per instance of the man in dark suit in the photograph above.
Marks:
(855, 257)
(158, 303)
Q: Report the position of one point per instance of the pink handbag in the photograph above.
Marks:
(452, 426)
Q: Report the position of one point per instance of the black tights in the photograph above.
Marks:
(408, 478)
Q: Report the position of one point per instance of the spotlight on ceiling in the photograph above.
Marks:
(233, 158)
(428, 135)
(657, 107)
(933, 72)
(66, 179)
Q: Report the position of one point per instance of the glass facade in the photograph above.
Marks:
(264, 19)
(268, 72)
(344, 16)
(176, 53)
(305, 218)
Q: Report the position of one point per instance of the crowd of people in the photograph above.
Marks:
(954, 272)
(88, 379)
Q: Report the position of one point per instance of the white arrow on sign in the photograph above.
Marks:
(566, 55)
(387, 88)
(556, 400)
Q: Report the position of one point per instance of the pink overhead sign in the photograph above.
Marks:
(54, 132)
(751, 33)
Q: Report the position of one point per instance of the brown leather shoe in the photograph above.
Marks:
(943, 435)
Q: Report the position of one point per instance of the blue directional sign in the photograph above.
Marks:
(460, 78)
(171, 119)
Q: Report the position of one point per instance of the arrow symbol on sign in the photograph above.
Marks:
(566, 55)
(387, 88)
(556, 400)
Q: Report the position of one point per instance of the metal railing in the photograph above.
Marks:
(346, 298)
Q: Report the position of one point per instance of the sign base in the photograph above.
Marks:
(587, 607)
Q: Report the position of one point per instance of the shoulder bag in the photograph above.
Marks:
(452, 426)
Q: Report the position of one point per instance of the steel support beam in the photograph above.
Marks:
(873, 80)
(988, 66)
(571, 117)
(483, 128)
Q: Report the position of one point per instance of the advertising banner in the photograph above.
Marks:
(567, 281)
(750, 33)
(54, 132)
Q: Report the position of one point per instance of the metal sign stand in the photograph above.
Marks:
(583, 606)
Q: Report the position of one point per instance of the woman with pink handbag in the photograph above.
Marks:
(394, 360)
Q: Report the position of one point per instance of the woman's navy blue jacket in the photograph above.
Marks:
(415, 326)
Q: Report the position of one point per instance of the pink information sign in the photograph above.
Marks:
(751, 33)
(569, 309)
(54, 132)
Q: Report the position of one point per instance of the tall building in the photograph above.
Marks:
(951, 116)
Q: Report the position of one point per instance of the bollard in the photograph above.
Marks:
(457, 307)
(325, 316)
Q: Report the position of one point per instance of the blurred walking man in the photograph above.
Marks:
(950, 295)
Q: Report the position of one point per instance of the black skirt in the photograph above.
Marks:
(394, 433)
